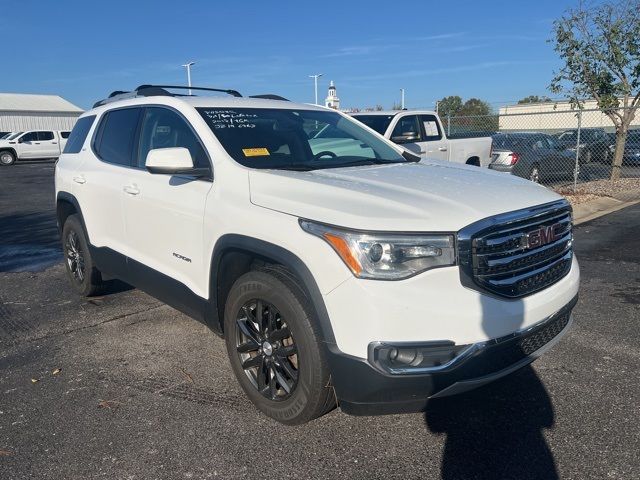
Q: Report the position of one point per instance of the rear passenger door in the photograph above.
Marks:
(164, 213)
(49, 147)
(433, 144)
(98, 183)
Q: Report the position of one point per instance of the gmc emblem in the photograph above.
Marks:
(541, 236)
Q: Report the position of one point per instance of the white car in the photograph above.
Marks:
(349, 274)
(32, 145)
(422, 133)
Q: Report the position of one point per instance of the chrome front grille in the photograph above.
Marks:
(517, 253)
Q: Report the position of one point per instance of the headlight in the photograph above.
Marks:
(386, 256)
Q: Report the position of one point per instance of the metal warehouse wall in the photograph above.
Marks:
(11, 121)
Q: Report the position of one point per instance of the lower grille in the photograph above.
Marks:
(517, 253)
(507, 353)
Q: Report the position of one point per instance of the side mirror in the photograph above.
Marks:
(173, 161)
(406, 138)
(21, 140)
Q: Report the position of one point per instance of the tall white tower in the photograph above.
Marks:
(332, 100)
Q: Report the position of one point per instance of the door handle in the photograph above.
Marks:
(131, 189)
(442, 149)
(79, 179)
(55, 143)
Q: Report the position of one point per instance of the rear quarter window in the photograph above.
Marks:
(79, 134)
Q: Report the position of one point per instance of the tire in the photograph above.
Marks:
(82, 272)
(7, 158)
(285, 372)
(534, 173)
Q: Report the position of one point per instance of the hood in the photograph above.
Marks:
(425, 196)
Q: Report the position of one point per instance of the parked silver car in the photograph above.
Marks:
(531, 155)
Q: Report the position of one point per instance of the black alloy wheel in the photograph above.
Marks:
(266, 349)
(75, 257)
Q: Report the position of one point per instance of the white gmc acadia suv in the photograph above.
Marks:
(339, 270)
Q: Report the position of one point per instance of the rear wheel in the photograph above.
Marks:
(274, 348)
(7, 158)
(82, 273)
(534, 173)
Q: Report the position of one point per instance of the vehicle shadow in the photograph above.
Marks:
(496, 431)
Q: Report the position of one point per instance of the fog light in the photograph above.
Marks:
(413, 358)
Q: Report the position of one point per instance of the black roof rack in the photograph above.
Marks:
(158, 90)
(269, 96)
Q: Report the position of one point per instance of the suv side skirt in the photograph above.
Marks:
(156, 284)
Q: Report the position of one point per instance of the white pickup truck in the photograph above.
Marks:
(32, 145)
(421, 132)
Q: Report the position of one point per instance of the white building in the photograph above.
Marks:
(554, 116)
(332, 100)
(20, 112)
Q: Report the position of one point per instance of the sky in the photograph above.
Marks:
(83, 50)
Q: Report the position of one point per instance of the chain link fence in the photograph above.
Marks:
(556, 148)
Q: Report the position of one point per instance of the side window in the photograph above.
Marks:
(539, 144)
(114, 142)
(164, 128)
(79, 134)
(45, 136)
(64, 134)
(551, 144)
(30, 137)
(407, 129)
(431, 127)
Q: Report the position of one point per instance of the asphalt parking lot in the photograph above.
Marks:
(143, 391)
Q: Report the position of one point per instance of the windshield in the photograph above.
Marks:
(13, 136)
(379, 123)
(295, 139)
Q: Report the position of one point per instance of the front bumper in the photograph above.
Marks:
(364, 390)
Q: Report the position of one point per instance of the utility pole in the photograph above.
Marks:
(188, 67)
(402, 98)
(315, 82)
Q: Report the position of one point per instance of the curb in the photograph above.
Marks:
(585, 212)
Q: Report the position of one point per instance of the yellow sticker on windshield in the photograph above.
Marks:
(255, 152)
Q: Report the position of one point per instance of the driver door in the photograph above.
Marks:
(407, 132)
(164, 213)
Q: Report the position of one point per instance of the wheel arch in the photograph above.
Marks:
(10, 150)
(475, 160)
(67, 205)
(234, 255)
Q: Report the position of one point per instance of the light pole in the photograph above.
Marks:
(402, 98)
(188, 67)
(315, 82)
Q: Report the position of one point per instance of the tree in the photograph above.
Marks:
(449, 106)
(474, 107)
(600, 50)
(396, 106)
(534, 99)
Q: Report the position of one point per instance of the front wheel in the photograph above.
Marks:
(7, 158)
(274, 347)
